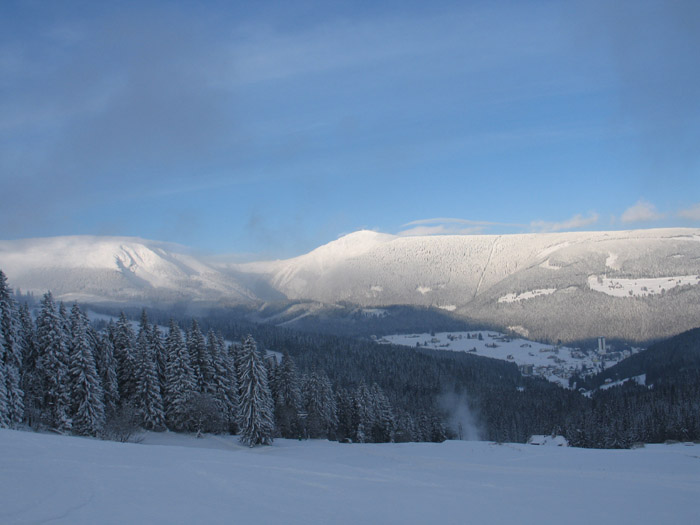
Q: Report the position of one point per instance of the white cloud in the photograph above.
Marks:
(692, 213)
(451, 220)
(448, 226)
(643, 211)
(441, 229)
(577, 221)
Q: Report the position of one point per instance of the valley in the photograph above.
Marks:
(556, 363)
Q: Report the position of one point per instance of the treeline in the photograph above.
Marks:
(502, 404)
(60, 373)
(108, 378)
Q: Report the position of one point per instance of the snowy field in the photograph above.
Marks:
(555, 363)
(173, 478)
(639, 287)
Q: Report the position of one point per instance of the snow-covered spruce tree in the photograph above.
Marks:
(107, 370)
(156, 339)
(87, 408)
(180, 382)
(363, 416)
(4, 410)
(344, 401)
(384, 420)
(255, 413)
(319, 405)
(124, 343)
(200, 359)
(288, 400)
(147, 393)
(231, 384)
(223, 385)
(30, 377)
(11, 352)
(53, 366)
(405, 428)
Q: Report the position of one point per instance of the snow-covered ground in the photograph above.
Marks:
(555, 363)
(175, 479)
(639, 287)
(516, 297)
(640, 380)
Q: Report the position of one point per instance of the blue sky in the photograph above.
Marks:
(269, 130)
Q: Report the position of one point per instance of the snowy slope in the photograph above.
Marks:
(375, 269)
(88, 268)
(637, 285)
(176, 479)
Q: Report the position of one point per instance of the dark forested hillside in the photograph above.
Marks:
(669, 360)
(666, 406)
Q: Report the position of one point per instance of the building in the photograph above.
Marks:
(601, 345)
(551, 441)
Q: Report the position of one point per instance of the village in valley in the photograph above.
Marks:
(556, 363)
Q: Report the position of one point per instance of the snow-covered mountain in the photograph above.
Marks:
(96, 269)
(637, 284)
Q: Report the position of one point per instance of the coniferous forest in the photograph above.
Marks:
(61, 372)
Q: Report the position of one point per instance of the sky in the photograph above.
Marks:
(268, 129)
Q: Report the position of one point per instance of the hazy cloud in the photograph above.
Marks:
(692, 213)
(575, 222)
(643, 211)
(450, 220)
(449, 226)
(441, 229)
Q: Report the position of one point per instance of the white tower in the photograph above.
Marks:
(601, 345)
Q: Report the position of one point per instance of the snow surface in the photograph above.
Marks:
(554, 363)
(611, 261)
(639, 287)
(174, 479)
(515, 297)
(640, 380)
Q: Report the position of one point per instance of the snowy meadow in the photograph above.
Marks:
(176, 478)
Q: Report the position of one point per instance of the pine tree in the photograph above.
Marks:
(256, 408)
(161, 356)
(125, 356)
(345, 408)
(288, 402)
(4, 409)
(319, 405)
(224, 385)
(87, 408)
(30, 376)
(11, 352)
(200, 359)
(107, 370)
(363, 417)
(53, 366)
(384, 422)
(180, 383)
(147, 393)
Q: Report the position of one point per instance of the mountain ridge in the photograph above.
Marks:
(632, 284)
